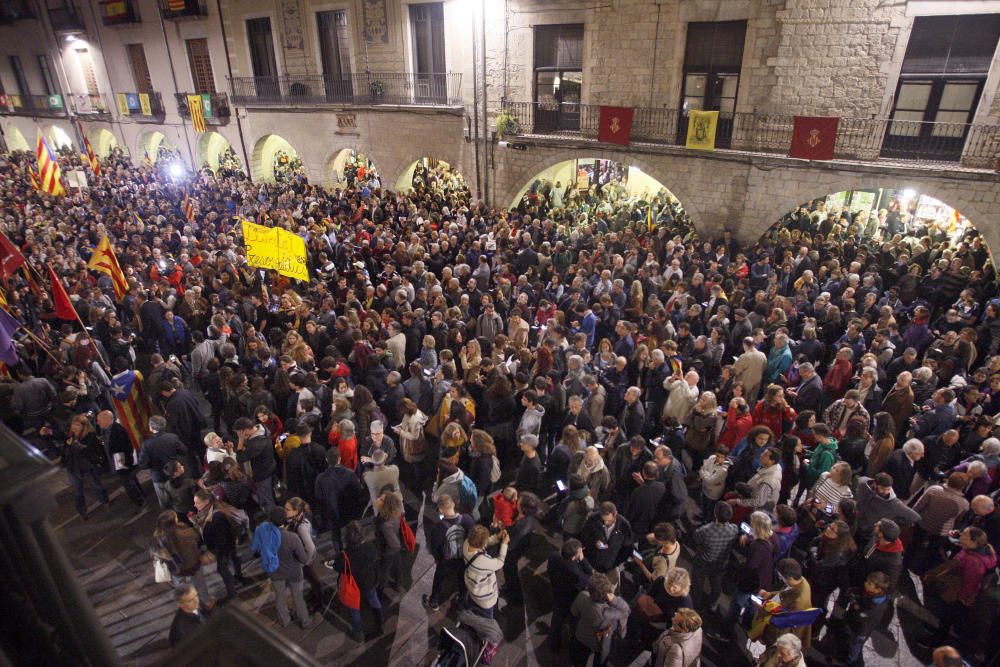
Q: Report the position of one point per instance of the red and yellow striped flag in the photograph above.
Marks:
(50, 175)
(89, 154)
(188, 207)
(131, 406)
(103, 259)
(33, 175)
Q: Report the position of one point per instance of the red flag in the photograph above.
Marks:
(615, 126)
(814, 137)
(11, 258)
(64, 307)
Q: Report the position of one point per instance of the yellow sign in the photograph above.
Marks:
(701, 130)
(197, 109)
(276, 248)
(147, 109)
(122, 104)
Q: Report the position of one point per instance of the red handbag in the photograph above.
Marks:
(348, 591)
(409, 539)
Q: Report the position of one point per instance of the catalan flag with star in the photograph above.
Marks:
(131, 406)
(89, 155)
(49, 173)
(103, 259)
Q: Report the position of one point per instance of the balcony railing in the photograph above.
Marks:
(179, 9)
(85, 104)
(15, 10)
(33, 105)
(216, 107)
(119, 12)
(397, 88)
(867, 139)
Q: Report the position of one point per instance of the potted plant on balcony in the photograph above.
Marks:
(376, 88)
(507, 125)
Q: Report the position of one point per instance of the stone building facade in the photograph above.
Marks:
(813, 57)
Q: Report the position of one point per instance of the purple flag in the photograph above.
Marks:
(8, 326)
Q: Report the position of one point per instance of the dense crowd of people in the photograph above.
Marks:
(772, 440)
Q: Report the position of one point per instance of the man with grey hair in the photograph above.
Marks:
(902, 466)
(156, 451)
(529, 472)
(809, 394)
(983, 514)
(633, 415)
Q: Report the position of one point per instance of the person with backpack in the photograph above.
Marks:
(454, 482)
(356, 564)
(219, 530)
(392, 535)
(297, 512)
(282, 556)
(444, 541)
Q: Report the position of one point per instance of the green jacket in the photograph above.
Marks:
(821, 459)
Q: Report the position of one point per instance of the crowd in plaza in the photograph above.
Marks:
(731, 443)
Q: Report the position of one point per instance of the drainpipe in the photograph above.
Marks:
(229, 68)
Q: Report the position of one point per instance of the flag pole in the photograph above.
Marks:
(42, 344)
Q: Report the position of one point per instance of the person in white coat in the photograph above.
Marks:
(712, 474)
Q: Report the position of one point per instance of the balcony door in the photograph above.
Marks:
(940, 84)
(558, 77)
(262, 59)
(201, 66)
(140, 68)
(427, 34)
(335, 54)
(713, 59)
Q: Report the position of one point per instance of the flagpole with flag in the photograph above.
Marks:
(103, 260)
(64, 307)
(88, 153)
(50, 175)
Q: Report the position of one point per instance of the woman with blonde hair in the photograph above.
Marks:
(470, 359)
(295, 347)
(680, 645)
(831, 488)
(82, 456)
(701, 428)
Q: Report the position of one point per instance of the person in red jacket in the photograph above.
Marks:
(773, 411)
(739, 421)
(348, 444)
(838, 378)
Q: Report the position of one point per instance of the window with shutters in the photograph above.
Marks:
(558, 76)
(19, 79)
(140, 68)
(201, 66)
(713, 58)
(940, 84)
(87, 70)
(47, 80)
(427, 34)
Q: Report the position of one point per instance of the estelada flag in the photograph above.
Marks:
(103, 259)
(814, 137)
(50, 176)
(131, 405)
(196, 107)
(615, 125)
(60, 299)
(702, 126)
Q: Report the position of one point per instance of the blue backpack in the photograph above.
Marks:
(467, 494)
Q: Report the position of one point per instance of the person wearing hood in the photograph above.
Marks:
(877, 500)
(680, 645)
(593, 470)
(531, 420)
(971, 564)
(883, 554)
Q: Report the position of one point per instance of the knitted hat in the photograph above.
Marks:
(889, 529)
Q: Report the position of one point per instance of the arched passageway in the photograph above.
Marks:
(215, 151)
(348, 168)
(154, 146)
(59, 138)
(103, 142)
(430, 173)
(275, 160)
(15, 139)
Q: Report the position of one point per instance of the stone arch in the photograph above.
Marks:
(211, 148)
(58, 137)
(102, 141)
(150, 144)
(15, 139)
(333, 167)
(265, 150)
(678, 187)
(789, 193)
(403, 182)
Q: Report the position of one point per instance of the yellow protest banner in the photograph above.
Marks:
(147, 108)
(701, 130)
(276, 248)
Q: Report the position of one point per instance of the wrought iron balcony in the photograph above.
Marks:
(119, 12)
(216, 105)
(88, 106)
(33, 105)
(862, 139)
(180, 9)
(367, 88)
(66, 18)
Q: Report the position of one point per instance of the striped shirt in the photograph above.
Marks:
(829, 492)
